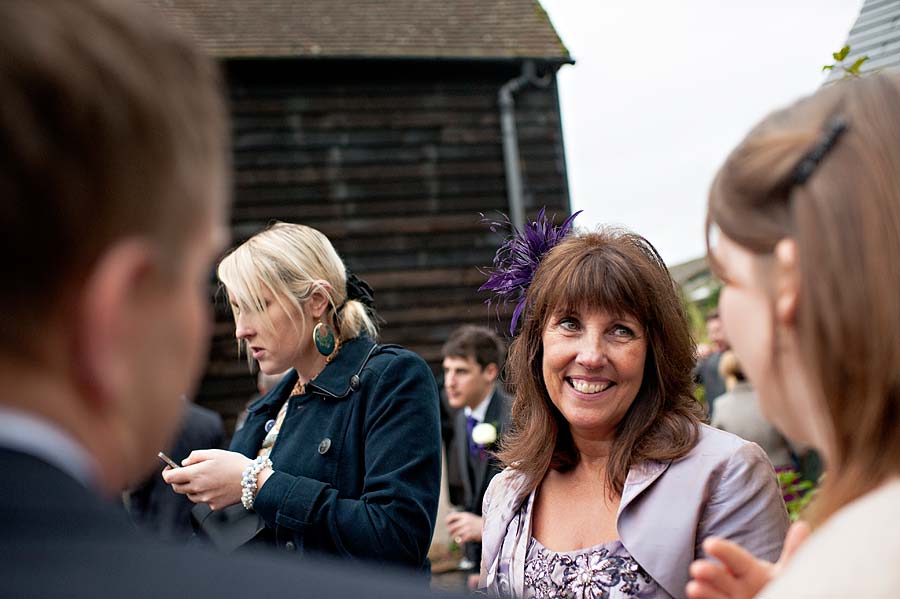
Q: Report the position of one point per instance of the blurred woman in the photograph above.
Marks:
(805, 233)
(343, 456)
(612, 482)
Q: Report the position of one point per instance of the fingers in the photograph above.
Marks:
(796, 535)
(738, 561)
(700, 590)
(712, 580)
(455, 529)
(199, 455)
(178, 475)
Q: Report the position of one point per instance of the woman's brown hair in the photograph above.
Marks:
(845, 221)
(621, 273)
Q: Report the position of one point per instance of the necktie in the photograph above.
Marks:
(474, 449)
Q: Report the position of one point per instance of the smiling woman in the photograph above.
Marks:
(612, 481)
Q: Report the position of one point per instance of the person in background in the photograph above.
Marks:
(114, 185)
(473, 358)
(611, 481)
(738, 412)
(152, 504)
(707, 369)
(343, 456)
(804, 230)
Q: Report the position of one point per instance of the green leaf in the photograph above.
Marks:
(854, 68)
(828, 67)
(839, 56)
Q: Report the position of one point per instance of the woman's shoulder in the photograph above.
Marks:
(715, 447)
(714, 440)
(394, 356)
(506, 488)
(854, 554)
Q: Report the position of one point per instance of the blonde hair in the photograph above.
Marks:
(730, 369)
(293, 262)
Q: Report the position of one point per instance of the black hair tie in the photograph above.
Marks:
(360, 291)
(807, 166)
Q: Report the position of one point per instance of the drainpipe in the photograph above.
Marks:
(511, 141)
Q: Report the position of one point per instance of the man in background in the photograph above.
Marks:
(153, 505)
(707, 371)
(473, 359)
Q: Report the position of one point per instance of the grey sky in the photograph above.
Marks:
(663, 89)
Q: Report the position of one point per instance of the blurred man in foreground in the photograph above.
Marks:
(113, 178)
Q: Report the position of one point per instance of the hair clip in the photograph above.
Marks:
(805, 168)
(518, 258)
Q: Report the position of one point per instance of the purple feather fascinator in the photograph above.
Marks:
(518, 258)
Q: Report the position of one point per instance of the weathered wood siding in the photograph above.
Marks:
(393, 162)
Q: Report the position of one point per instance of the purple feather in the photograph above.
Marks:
(517, 259)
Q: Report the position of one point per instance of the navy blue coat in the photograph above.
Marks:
(357, 463)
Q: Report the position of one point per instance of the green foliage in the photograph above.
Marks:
(849, 71)
(797, 492)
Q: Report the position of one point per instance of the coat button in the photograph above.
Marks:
(354, 382)
(289, 546)
(324, 445)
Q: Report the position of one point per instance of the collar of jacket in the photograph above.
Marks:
(335, 381)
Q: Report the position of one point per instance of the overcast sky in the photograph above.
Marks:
(663, 89)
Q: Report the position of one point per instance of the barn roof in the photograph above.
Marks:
(419, 29)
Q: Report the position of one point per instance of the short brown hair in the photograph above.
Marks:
(845, 220)
(621, 273)
(479, 343)
(111, 124)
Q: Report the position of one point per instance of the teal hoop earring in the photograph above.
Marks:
(324, 340)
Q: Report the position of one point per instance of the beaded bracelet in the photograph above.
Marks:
(248, 480)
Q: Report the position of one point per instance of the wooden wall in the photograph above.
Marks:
(393, 161)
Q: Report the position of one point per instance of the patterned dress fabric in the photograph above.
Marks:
(605, 571)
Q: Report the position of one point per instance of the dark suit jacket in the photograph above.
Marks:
(468, 478)
(59, 539)
(154, 505)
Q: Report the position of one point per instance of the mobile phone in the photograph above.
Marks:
(167, 459)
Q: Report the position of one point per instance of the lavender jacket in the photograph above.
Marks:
(724, 487)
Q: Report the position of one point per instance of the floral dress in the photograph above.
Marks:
(605, 571)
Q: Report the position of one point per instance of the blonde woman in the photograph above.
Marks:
(343, 456)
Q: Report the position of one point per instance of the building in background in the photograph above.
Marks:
(380, 124)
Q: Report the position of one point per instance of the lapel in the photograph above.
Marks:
(639, 479)
(492, 415)
(461, 449)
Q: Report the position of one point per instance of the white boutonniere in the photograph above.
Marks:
(484, 434)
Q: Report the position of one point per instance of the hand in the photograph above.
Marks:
(472, 582)
(210, 476)
(739, 575)
(464, 527)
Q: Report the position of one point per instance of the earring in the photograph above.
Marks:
(324, 339)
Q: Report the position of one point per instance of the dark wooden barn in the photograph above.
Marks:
(381, 124)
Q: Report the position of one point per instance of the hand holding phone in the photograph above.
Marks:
(167, 460)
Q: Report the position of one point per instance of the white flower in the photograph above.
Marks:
(484, 434)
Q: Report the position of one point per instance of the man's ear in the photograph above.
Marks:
(787, 282)
(108, 318)
(492, 371)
